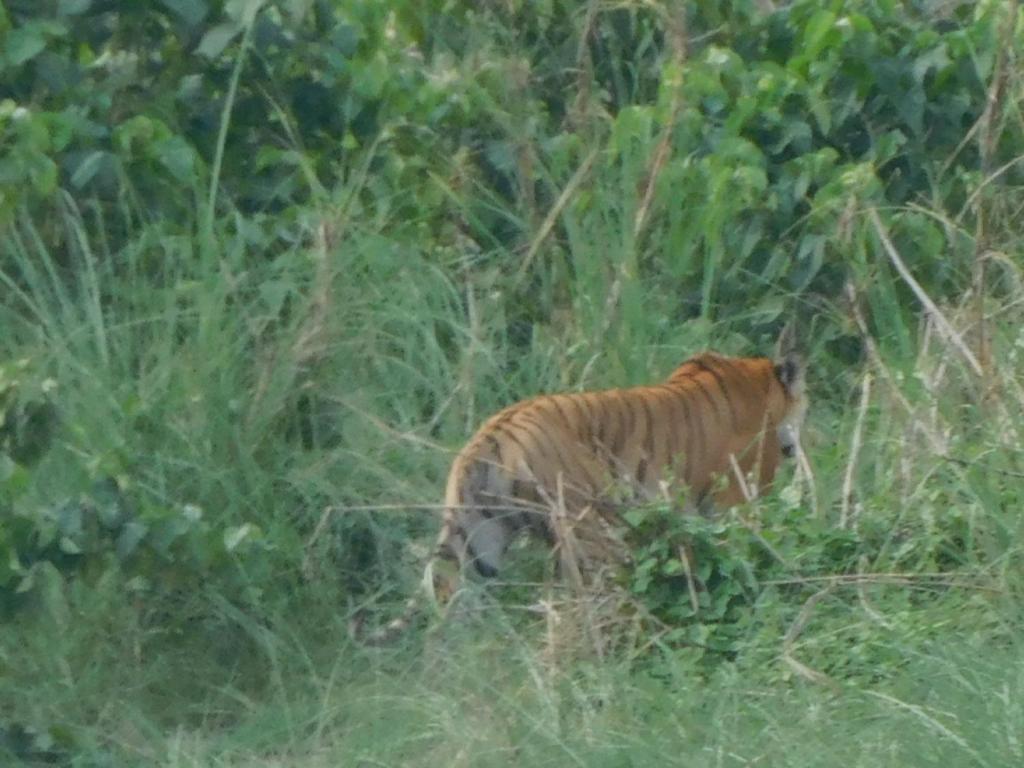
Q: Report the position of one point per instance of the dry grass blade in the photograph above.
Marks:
(855, 442)
(805, 475)
(386, 428)
(549, 221)
(934, 724)
(566, 542)
(939, 579)
(661, 155)
(935, 440)
(862, 596)
(943, 325)
(794, 631)
(691, 586)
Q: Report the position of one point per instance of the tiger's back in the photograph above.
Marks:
(583, 448)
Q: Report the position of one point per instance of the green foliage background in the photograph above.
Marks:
(265, 265)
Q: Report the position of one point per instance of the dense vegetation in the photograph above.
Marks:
(264, 266)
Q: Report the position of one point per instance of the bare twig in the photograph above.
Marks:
(899, 579)
(862, 596)
(419, 506)
(584, 69)
(749, 495)
(741, 481)
(982, 185)
(565, 537)
(938, 445)
(851, 465)
(928, 720)
(307, 564)
(549, 221)
(804, 464)
(386, 428)
(795, 629)
(987, 138)
(997, 87)
(676, 29)
(941, 323)
(467, 365)
(691, 586)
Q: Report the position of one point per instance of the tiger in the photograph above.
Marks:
(703, 431)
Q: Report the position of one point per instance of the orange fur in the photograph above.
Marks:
(584, 450)
(681, 432)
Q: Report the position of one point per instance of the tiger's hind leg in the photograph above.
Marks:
(490, 515)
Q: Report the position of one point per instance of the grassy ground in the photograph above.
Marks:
(301, 697)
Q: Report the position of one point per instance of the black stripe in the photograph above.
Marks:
(496, 445)
(503, 428)
(578, 417)
(628, 402)
(615, 442)
(725, 391)
(680, 399)
(585, 426)
(544, 441)
(560, 411)
(707, 395)
(649, 439)
(697, 433)
(679, 422)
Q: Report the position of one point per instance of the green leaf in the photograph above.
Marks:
(937, 58)
(888, 146)
(192, 12)
(139, 127)
(108, 501)
(51, 592)
(242, 11)
(235, 536)
(87, 169)
(68, 546)
(166, 532)
(819, 32)
(178, 157)
(345, 39)
(633, 124)
(635, 517)
(370, 79)
(217, 39)
(23, 44)
(69, 519)
(73, 7)
(131, 535)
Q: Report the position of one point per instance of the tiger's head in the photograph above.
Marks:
(789, 370)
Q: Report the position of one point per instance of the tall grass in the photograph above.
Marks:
(294, 392)
(224, 449)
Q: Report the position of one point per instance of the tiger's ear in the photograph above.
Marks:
(788, 342)
(789, 364)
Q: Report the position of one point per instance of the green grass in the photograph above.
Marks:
(215, 449)
(279, 402)
(188, 390)
(295, 696)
